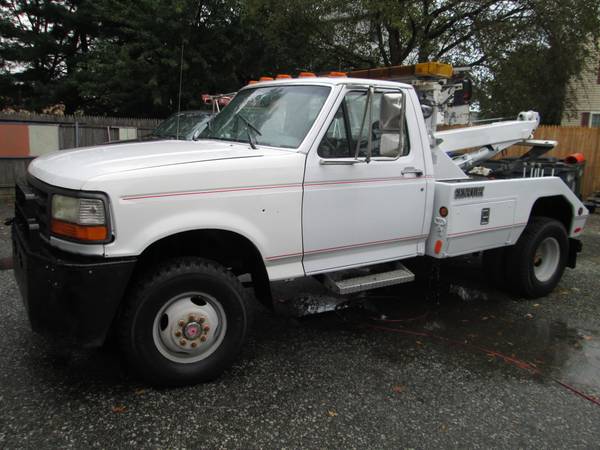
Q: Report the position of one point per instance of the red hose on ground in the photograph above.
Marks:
(531, 368)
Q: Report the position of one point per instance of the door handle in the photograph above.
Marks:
(414, 170)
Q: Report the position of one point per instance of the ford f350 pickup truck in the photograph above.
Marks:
(294, 178)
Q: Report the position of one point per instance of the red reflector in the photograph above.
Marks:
(438, 247)
(577, 230)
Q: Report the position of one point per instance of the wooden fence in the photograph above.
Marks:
(82, 131)
(11, 170)
(572, 140)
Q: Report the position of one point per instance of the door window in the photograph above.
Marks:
(344, 132)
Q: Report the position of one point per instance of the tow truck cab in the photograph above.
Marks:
(293, 178)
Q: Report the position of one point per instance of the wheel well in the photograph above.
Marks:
(556, 207)
(230, 249)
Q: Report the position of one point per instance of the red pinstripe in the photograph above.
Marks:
(487, 229)
(271, 186)
(345, 247)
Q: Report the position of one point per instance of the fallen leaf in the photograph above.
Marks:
(484, 318)
(588, 338)
(444, 428)
(535, 305)
(119, 409)
(529, 316)
(398, 389)
(139, 391)
(332, 413)
(419, 343)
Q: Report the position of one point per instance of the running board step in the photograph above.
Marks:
(357, 280)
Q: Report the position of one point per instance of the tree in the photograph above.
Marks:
(42, 45)
(524, 51)
(536, 74)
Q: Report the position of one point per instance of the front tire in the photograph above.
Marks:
(535, 264)
(184, 322)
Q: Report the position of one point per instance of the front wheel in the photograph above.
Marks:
(535, 264)
(184, 322)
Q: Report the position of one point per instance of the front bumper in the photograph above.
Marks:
(67, 295)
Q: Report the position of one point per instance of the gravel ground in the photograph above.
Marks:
(334, 381)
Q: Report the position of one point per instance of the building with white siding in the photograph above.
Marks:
(585, 93)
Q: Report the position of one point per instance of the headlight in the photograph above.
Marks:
(82, 219)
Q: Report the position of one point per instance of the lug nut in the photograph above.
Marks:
(181, 323)
(192, 318)
(194, 345)
(182, 342)
(201, 319)
(206, 328)
(203, 338)
(178, 333)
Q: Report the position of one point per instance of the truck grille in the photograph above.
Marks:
(32, 210)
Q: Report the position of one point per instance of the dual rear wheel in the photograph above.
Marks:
(534, 265)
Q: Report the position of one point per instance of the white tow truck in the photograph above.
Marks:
(294, 178)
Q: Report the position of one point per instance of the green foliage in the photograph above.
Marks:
(536, 73)
(124, 58)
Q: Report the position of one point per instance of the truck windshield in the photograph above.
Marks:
(181, 125)
(277, 116)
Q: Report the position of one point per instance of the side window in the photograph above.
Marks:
(343, 133)
(335, 142)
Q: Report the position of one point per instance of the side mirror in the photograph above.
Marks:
(391, 112)
(391, 124)
(427, 111)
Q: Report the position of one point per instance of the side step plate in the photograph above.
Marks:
(358, 280)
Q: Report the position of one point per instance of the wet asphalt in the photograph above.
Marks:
(470, 368)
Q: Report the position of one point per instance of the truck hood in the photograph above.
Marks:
(72, 168)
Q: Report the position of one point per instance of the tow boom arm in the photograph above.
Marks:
(489, 140)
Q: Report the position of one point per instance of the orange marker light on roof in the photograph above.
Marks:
(282, 76)
(438, 247)
(252, 82)
(265, 79)
(336, 74)
(306, 75)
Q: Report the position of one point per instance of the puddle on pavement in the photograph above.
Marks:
(468, 311)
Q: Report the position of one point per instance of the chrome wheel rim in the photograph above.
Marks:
(546, 259)
(189, 327)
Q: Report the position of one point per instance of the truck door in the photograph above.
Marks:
(357, 213)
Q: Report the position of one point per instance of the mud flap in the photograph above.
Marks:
(575, 246)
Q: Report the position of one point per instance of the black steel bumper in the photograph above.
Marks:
(69, 296)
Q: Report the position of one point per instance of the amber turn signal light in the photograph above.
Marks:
(79, 232)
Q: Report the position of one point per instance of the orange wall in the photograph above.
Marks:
(14, 140)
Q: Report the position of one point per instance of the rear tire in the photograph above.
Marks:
(535, 264)
(184, 322)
